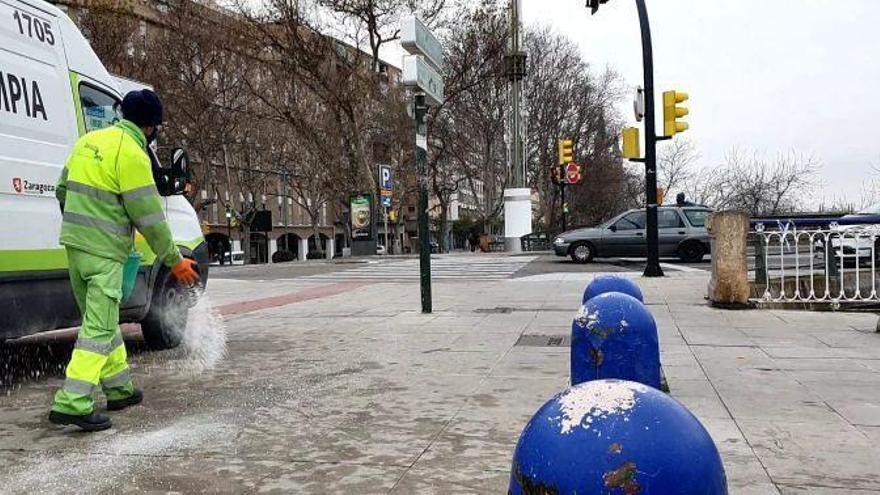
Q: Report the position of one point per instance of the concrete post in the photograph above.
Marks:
(331, 248)
(303, 249)
(273, 248)
(729, 285)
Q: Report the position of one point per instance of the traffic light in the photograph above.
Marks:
(555, 174)
(594, 4)
(672, 112)
(566, 151)
(631, 143)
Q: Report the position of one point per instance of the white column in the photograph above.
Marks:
(303, 249)
(517, 217)
(273, 248)
(331, 248)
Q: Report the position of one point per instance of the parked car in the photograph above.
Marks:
(682, 234)
(854, 236)
(380, 249)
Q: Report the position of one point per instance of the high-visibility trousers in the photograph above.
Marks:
(99, 358)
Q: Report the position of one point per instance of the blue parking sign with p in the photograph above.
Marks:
(386, 177)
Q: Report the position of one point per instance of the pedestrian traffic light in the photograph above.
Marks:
(631, 143)
(555, 174)
(672, 112)
(566, 151)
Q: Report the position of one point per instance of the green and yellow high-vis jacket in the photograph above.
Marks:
(106, 189)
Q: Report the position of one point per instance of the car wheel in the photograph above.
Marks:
(582, 253)
(691, 252)
(164, 325)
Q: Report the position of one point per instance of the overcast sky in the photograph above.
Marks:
(769, 75)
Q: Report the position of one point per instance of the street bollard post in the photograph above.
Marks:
(612, 283)
(615, 336)
(612, 436)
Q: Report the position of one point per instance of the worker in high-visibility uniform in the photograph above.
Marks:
(106, 190)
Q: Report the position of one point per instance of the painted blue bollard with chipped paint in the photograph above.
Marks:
(615, 437)
(612, 283)
(615, 336)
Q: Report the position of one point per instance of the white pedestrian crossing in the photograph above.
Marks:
(463, 267)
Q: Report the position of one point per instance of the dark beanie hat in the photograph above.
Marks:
(142, 107)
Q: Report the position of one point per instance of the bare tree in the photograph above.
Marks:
(676, 165)
(757, 186)
(467, 132)
(567, 100)
(112, 30)
(379, 20)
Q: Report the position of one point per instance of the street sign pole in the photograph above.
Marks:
(387, 247)
(421, 71)
(564, 219)
(653, 268)
(420, 111)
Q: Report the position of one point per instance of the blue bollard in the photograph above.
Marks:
(615, 437)
(612, 283)
(614, 336)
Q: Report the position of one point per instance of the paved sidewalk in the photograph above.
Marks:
(347, 388)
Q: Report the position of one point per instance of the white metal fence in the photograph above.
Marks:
(833, 264)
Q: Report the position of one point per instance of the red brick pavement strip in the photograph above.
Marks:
(295, 297)
(232, 309)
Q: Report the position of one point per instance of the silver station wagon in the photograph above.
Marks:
(682, 229)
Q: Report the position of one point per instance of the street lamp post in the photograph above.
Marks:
(653, 268)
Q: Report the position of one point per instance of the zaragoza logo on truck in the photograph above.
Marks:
(21, 97)
(24, 186)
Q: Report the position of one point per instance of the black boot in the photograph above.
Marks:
(132, 400)
(88, 422)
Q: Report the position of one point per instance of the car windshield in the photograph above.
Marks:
(873, 210)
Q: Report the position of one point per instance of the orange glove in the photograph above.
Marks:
(185, 272)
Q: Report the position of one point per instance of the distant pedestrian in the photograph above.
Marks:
(681, 200)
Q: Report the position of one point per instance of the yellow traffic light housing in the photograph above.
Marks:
(566, 151)
(672, 112)
(631, 143)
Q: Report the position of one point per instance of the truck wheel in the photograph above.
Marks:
(164, 325)
(582, 252)
(691, 252)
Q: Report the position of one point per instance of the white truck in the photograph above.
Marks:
(54, 89)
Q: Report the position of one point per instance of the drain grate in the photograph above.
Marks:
(544, 341)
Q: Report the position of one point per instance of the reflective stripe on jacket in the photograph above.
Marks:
(106, 190)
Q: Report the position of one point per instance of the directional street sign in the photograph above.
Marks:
(418, 73)
(416, 39)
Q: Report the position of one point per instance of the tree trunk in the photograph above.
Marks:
(316, 232)
(444, 225)
(246, 242)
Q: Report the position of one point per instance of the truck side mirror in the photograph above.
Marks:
(180, 170)
(179, 163)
